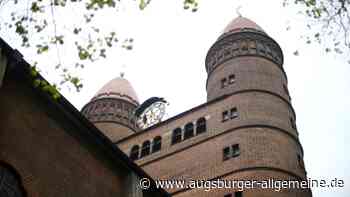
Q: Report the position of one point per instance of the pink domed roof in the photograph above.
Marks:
(241, 22)
(118, 88)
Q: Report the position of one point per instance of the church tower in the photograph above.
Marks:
(245, 64)
(112, 107)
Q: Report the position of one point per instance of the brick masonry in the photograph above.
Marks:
(50, 161)
(264, 129)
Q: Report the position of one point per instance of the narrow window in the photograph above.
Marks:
(235, 150)
(231, 79)
(227, 52)
(176, 136)
(97, 108)
(261, 48)
(292, 123)
(225, 116)
(231, 151)
(119, 106)
(145, 148)
(134, 153)
(300, 162)
(252, 44)
(238, 194)
(157, 144)
(268, 50)
(189, 132)
(111, 108)
(104, 107)
(228, 195)
(223, 82)
(233, 113)
(226, 153)
(244, 46)
(201, 126)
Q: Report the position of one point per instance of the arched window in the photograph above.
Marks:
(146, 146)
(189, 131)
(11, 185)
(176, 136)
(157, 144)
(134, 153)
(201, 126)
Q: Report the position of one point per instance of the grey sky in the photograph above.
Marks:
(168, 61)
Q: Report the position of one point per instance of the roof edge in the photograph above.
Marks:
(87, 130)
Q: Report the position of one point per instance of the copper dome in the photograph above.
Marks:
(118, 88)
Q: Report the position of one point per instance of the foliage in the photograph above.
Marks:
(328, 24)
(39, 26)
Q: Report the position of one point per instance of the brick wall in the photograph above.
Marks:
(50, 159)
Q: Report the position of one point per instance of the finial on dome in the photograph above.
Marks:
(238, 12)
(240, 23)
(122, 74)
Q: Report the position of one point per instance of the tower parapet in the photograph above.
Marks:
(243, 49)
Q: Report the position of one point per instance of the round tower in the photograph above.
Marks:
(111, 109)
(244, 57)
(245, 66)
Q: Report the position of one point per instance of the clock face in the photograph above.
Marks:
(152, 113)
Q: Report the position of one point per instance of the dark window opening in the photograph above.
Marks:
(226, 153)
(231, 79)
(225, 116)
(244, 46)
(201, 126)
(231, 151)
(146, 146)
(300, 162)
(233, 113)
(227, 52)
(252, 44)
(157, 144)
(261, 48)
(292, 122)
(176, 136)
(189, 131)
(235, 150)
(268, 50)
(223, 83)
(134, 153)
(238, 194)
(228, 195)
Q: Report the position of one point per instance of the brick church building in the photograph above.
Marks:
(245, 131)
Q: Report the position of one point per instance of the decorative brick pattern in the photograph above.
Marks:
(113, 116)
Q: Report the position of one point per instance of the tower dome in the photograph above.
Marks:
(240, 23)
(242, 42)
(112, 109)
(119, 88)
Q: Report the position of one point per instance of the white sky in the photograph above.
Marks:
(168, 61)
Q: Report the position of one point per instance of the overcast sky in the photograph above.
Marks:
(168, 61)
